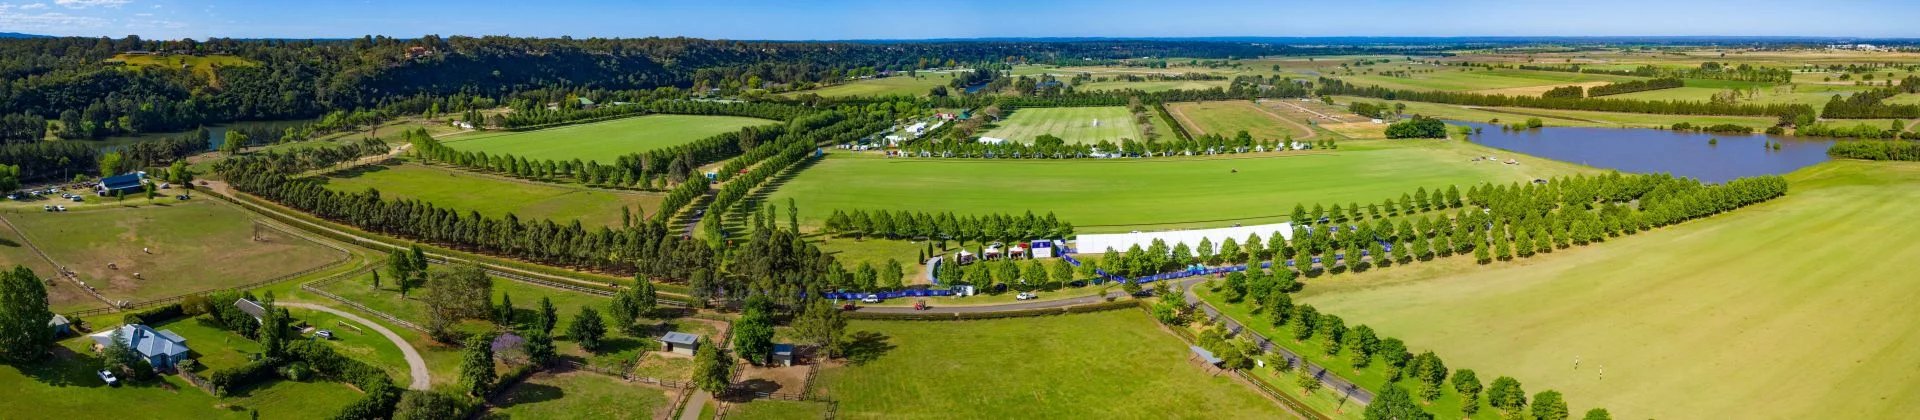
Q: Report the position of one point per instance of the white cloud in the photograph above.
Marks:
(33, 6)
(47, 22)
(82, 4)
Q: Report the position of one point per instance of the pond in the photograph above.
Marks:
(1708, 157)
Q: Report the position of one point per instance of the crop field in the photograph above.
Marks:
(580, 394)
(1535, 90)
(494, 196)
(886, 86)
(1075, 125)
(168, 246)
(603, 140)
(971, 369)
(1227, 118)
(1787, 309)
(1152, 86)
(1452, 79)
(1118, 195)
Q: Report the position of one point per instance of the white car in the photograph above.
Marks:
(59, 208)
(869, 299)
(106, 375)
(324, 334)
(1026, 296)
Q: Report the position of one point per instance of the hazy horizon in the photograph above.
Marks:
(876, 20)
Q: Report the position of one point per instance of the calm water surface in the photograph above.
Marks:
(1643, 150)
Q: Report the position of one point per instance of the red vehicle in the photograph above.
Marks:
(846, 307)
(920, 305)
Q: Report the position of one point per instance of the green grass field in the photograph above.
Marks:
(1227, 118)
(1118, 195)
(1113, 364)
(579, 395)
(1788, 309)
(602, 141)
(886, 86)
(494, 196)
(1075, 125)
(1152, 85)
(1452, 79)
(183, 238)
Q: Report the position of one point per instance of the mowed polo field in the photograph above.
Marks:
(166, 246)
(602, 141)
(494, 195)
(1075, 125)
(1113, 364)
(1118, 195)
(1796, 308)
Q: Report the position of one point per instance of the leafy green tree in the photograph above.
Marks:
(549, 316)
(1304, 317)
(110, 164)
(753, 332)
(1306, 380)
(1506, 395)
(476, 366)
(823, 326)
(1468, 385)
(587, 329)
(713, 369)
(1548, 405)
(1394, 352)
(1393, 403)
(1598, 414)
(24, 313)
(430, 405)
(504, 312)
(117, 354)
(1361, 343)
(539, 347)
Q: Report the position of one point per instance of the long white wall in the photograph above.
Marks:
(1099, 243)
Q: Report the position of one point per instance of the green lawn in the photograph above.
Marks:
(1109, 195)
(1114, 364)
(602, 141)
(493, 196)
(770, 409)
(579, 395)
(1227, 118)
(196, 245)
(64, 386)
(1075, 125)
(886, 86)
(1794, 308)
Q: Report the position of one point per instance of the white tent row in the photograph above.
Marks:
(1100, 242)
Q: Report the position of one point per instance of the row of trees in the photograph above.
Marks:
(1050, 147)
(303, 159)
(1338, 87)
(1617, 88)
(904, 224)
(1707, 70)
(1876, 150)
(533, 114)
(1870, 104)
(791, 150)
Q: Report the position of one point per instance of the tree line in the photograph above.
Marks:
(791, 151)
(1338, 87)
(1617, 88)
(1876, 150)
(1870, 104)
(303, 159)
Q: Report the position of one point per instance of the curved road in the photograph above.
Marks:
(415, 364)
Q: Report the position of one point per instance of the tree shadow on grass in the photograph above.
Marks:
(745, 391)
(63, 368)
(866, 346)
(530, 393)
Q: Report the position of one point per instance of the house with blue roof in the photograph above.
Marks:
(161, 348)
(679, 342)
(128, 183)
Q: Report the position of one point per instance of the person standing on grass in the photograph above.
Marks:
(1576, 362)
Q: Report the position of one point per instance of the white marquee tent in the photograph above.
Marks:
(1099, 243)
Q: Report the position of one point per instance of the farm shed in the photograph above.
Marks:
(783, 354)
(124, 183)
(679, 342)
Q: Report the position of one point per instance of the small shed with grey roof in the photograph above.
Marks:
(679, 342)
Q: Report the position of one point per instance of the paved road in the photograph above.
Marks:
(415, 364)
(695, 405)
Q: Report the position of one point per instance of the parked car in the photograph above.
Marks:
(846, 307)
(60, 208)
(1025, 296)
(870, 299)
(107, 375)
(47, 207)
(920, 305)
(324, 334)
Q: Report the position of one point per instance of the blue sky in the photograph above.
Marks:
(906, 19)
